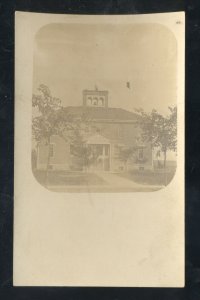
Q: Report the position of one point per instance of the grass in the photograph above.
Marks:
(148, 177)
(66, 178)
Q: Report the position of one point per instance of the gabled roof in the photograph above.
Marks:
(102, 113)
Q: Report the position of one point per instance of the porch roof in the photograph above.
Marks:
(97, 139)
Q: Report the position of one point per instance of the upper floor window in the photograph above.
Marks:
(95, 101)
(101, 101)
(95, 98)
(120, 131)
(89, 101)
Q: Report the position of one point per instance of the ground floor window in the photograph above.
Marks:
(51, 150)
(71, 149)
(140, 153)
(117, 149)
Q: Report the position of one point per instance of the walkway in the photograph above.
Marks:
(120, 182)
(117, 181)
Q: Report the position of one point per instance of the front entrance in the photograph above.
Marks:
(101, 161)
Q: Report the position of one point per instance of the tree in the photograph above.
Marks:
(159, 130)
(50, 120)
(33, 159)
(147, 122)
(166, 128)
(86, 153)
(158, 155)
(125, 153)
(53, 119)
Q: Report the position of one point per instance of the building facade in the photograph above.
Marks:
(112, 134)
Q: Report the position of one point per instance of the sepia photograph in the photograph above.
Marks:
(104, 107)
(99, 150)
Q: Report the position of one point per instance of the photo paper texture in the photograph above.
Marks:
(99, 150)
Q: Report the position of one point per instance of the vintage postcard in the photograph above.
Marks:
(99, 150)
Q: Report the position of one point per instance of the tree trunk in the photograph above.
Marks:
(165, 158)
(164, 164)
(158, 163)
(47, 166)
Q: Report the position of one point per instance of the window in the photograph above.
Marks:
(120, 132)
(51, 150)
(95, 129)
(89, 101)
(117, 149)
(95, 101)
(71, 149)
(140, 154)
(101, 101)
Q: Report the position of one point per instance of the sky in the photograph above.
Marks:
(69, 58)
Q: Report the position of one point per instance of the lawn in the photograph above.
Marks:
(66, 178)
(148, 177)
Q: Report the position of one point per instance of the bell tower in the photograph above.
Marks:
(95, 98)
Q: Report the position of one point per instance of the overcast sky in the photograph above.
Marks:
(72, 57)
